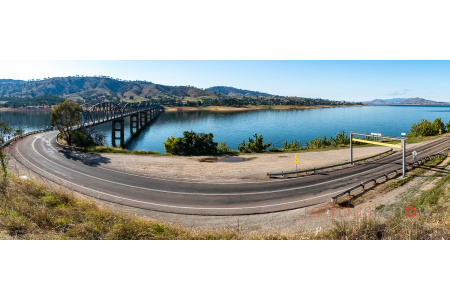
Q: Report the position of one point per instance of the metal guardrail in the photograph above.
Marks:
(34, 132)
(328, 167)
(22, 136)
(67, 146)
(387, 176)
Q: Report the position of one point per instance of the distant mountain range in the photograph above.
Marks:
(405, 101)
(76, 88)
(101, 88)
(231, 91)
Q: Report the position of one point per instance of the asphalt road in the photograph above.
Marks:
(89, 174)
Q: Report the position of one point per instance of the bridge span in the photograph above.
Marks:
(141, 114)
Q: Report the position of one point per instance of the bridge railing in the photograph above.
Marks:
(314, 170)
(108, 111)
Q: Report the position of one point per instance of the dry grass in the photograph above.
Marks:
(397, 226)
(415, 173)
(30, 210)
(436, 226)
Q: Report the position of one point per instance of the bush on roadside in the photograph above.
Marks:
(224, 149)
(426, 128)
(254, 145)
(438, 125)
(191, 144)
(294, 145)
(87, 138)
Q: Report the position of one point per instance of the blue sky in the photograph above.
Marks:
(360, 80)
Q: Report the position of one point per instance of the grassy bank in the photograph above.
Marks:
(415, 173)
(397, 226)
(30, 210)
(432, 221)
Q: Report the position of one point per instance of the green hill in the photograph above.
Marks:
(231, 91)
(77, 88)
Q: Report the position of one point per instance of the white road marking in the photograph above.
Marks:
(210, 194)
(199, 194)
(191, 208)
(175, 206)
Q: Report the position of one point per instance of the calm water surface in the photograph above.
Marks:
(276, 126)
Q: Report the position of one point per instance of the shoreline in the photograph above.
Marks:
(207, 108)
(24, 109)
(249, 108)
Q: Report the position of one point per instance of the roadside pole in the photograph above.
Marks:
(296, 168)
(404, 156)
(351, 148)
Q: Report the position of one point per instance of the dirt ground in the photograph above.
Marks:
(250, 167)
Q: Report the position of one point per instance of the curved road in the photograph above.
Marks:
(88, 174)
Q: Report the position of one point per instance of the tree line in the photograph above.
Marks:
(19, 102)
(254, 101)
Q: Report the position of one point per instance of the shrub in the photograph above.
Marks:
(436, 125)
(294, 145)
(191, 144)
(87, 138)
(224, 149)
(340, 139)
(254, 145)
(426, 128)
(79, 139)
(421, 128)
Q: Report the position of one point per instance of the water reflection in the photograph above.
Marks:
(275, 126)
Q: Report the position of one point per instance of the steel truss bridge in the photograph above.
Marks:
(141, 114)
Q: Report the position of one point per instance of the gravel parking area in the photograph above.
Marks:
(248, 167)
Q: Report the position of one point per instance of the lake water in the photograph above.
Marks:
(275, 126)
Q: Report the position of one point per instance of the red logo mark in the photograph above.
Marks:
(410, 215)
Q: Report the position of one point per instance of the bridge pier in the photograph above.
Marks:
(120, 129)
(134, 122)
(143, 118)
(141, 115)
